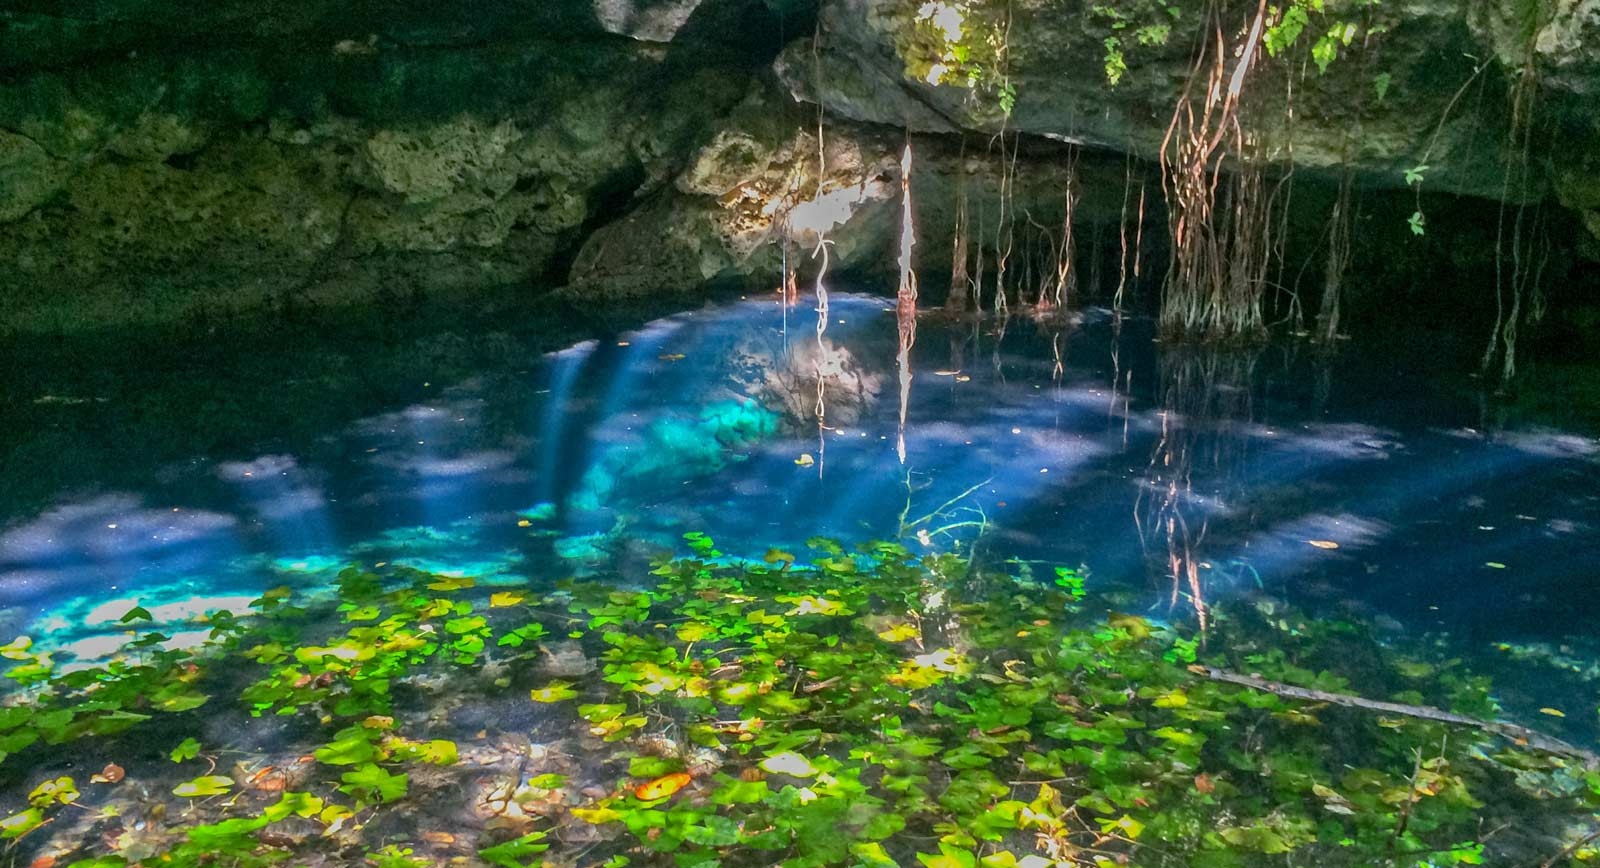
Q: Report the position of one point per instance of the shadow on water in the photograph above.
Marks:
(1179, 476)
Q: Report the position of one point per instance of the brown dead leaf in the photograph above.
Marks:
(274, 784)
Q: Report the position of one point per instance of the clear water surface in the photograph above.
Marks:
(1340, 486)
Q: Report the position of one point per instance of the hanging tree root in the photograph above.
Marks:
(1521, 735)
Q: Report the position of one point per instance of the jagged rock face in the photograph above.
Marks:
(758, 191)
(157, 163)
(1434, 106)
(649, 20)
(154, 165)
(1558, 40)
(28, 174)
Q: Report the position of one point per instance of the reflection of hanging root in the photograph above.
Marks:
(823, 352)
(1057, 367)
(821, 250)
(1193, 399)
(1185, 570)
(822, 328)
(790, 290)
(906, 306)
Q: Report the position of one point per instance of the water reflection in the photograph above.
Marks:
(1205, 405)
(1183, 476)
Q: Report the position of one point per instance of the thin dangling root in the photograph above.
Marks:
(1215, 285)
(960, 242)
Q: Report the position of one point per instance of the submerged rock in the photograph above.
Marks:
(648, 20)
(28, 176)
(565, 659)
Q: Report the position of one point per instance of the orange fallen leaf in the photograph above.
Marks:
(438, 837)
(274, 784)
(45, 861)
(662, 787)
(1202, 782)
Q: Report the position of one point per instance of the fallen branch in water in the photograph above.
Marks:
(1521, 735)
(1571, 848)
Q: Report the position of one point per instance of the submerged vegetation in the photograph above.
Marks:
(870, 708)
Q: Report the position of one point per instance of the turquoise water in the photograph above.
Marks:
(1348, 488)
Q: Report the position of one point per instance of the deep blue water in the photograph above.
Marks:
(1347, 486)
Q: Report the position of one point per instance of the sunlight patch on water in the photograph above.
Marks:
(703, 421)
(1551, 444)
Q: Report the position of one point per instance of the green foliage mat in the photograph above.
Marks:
(869, 709)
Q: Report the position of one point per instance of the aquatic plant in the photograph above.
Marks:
(869, 708)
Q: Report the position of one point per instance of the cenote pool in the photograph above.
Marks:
(732, 589)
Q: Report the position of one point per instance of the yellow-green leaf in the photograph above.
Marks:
(205, 785)
(452, 583)
(555, 691)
